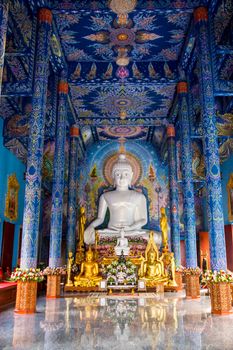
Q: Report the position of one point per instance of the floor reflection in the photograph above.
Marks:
(101, 323)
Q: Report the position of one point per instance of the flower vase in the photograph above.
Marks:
(220, 296)
(192, 286)
(53, 286)
(26, 297)
(178, 278)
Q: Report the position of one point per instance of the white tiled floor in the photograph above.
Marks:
(169, 322)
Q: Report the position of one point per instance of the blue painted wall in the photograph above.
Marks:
(9, 164)
(226, 170)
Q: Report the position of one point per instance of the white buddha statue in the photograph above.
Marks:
(122, 244)
(128, 210)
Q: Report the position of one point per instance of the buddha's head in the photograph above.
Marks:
(89, 255)
(152, 256)
(70, 254)
(122, 172)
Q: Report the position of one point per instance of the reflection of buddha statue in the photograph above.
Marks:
(128, 209)
(88, 276)
(152, 268)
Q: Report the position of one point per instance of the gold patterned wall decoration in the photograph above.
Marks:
(11, 207)
(230, 197)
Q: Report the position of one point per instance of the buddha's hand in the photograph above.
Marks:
(89, 235)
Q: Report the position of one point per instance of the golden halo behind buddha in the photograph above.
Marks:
(131, 158)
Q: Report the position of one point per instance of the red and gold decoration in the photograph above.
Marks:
(219, 284)
(26, 289)
(192, 276)
(11, 207)
(54, 281)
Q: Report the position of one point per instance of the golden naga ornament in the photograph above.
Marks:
(89, 274)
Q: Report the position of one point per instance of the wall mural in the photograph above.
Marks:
(150, 176)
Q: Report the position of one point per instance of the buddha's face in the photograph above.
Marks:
(151, 256)
(122, 177)
(89, 257)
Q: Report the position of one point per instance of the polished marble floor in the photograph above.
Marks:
(99, 323)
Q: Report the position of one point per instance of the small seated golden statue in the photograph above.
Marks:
(89, 274)
(152, 268)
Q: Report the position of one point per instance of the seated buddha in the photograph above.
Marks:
(152, 268)
(127, 207)
(89, 274)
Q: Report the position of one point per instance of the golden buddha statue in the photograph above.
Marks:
(79, 257)
(164, 228)
(81, 226)
(70, 262)
(152, 268)
(88, 276)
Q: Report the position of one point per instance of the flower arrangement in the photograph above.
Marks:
(180, 268)
(192, 271)
(120, 272)
(27, 275)
(54, 271)
(217, 277)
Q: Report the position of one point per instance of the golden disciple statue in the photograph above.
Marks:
(88, 276)
(81, 226)
(164, 228)
(152, 268)
(70, 262)
(170, 267)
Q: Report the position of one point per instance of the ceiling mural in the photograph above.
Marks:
(121, 60)
(122, 132)
(122, 100)
(88, 36)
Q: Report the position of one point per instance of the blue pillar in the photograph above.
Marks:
(188, 190)
(58, 177)
(3, 30)
(36, 143)
(210, 145)
(174, 196)
(73, 158)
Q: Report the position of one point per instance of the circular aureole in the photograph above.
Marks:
(134, 162)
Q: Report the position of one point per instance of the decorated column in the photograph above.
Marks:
(210, 145)
(58, 177)
(73, 158)
(188, 190)
(174, 198)
(3, 30)
(36, 143)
